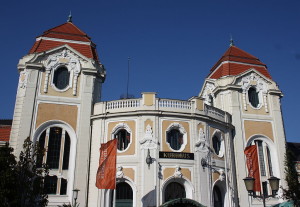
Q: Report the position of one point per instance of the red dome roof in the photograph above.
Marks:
(69, 34)
(236, 61)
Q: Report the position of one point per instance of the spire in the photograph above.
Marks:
(231, 41)
(70, 17)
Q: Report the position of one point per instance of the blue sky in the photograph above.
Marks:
(172, 43)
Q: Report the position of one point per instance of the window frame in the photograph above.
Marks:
(270, 169)
(259, 96)
(218, 134)
(70, 77)
(66, 174)
(115, 131)
(181, 129)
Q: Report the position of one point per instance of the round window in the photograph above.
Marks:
(123, 137)
(253, 97)
(61, 78)
(175, 139)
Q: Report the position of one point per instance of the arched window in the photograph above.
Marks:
(124, 195)
(253, 97)
(174, 190)
(61, 78)
(123, 137)
(265, 162)
(56, 141)
(217, 196)
(175, 139)
(216, 144)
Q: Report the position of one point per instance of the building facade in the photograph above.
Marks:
(194, 148)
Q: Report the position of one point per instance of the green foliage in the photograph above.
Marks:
(21, 182)
(293, 191)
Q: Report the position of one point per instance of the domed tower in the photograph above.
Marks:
(60, 80)
(241, 84)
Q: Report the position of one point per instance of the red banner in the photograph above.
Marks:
(106, 174)
(252, 165)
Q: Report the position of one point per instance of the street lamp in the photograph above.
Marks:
(75, 196)
(273, 181)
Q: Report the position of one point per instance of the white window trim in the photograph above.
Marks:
(260, 97)
(181, 129)
(188, 187)
(116, 129)
(70, 77)
(273, 155)
(219, 135)
(72, 157)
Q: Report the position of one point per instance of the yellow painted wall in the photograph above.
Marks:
(131, 124)
(258, 127)
(165, 125)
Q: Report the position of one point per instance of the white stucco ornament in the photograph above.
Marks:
(201, 144)
(177, 173)
(120, 173)
(221, 174)
(149, 141)
(67, 59)
(207, 92)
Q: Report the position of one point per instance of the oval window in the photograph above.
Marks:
(175, 139)
(253, 97)
(123, 137)
(61, 78)
(216, 144)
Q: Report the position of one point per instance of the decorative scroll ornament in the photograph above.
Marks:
(177, 173)
(120, 126)
(23, 79)
(149, 142)
(253, 79)
(64, 58)
(208, 93)
(120, 173)
(201, 145)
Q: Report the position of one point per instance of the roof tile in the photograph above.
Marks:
(236, 61)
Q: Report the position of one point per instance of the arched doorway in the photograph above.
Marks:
(218, 198)
(174, 190)
(124, 195)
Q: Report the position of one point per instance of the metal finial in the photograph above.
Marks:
(231, 41)
(70, 17)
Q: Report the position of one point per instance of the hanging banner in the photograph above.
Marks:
(106, 174)
(252, 165)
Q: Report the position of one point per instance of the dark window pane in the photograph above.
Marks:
(66, 152)
(124, 191)
(265, 188)
(61, 78)
(269, 162)
(216, 144)
(217, 197)
(41, 145)
(261, 158)
(50, 184)
(123, 139)
(175, 139)
(174, 190)
(54, 147)
(253, 97)
(63, 186)
(124, 195)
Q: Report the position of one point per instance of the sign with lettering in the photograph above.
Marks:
(177, 155)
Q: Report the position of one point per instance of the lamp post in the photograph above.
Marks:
(273, 181)
(75, 196)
